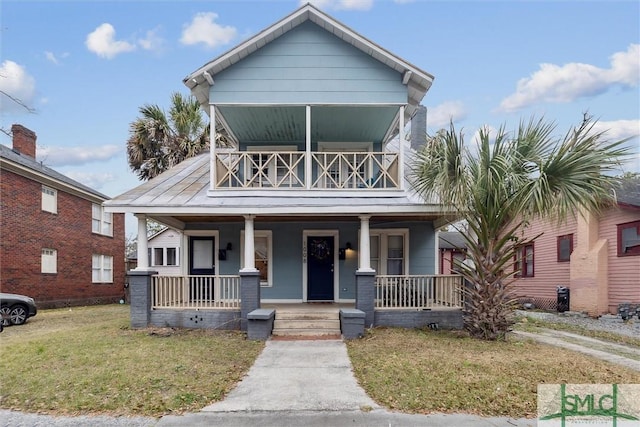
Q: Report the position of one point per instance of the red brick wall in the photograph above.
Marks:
(25, 230)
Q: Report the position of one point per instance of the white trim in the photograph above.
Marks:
(269, 235)
(383, 247)
(345, 146)
(336, 263)
(184, 260)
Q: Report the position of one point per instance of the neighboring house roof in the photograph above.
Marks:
(451, 240)
(417, 80)
(628, 195)
(33, 169)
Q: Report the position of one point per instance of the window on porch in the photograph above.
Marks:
(263, 255)
(388, 251)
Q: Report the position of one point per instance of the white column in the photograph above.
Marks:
(364, 248)
(307, 162)
(401, 153)
(212, 148)
(143, 245)
(249, 245)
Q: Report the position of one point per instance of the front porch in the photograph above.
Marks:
(225, 302)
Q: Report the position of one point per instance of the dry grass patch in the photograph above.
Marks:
(424, 371)
(86, 360)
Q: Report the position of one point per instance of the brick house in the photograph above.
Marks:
(596, 256)
(57, 245)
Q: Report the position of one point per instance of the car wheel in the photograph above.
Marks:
(5, 315)
(19, 314)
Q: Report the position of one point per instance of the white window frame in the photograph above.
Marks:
(101, 221)
(49, 199)
(165, 252)
(103, 265)
(269, 235)
(383, 246)
(49, 261)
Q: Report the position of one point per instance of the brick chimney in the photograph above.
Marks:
(419, 127)
(24, 141)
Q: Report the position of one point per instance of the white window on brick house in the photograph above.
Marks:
(101, 221)
(49, 199)
(49, 261)
(102, 269)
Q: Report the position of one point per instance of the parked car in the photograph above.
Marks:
(16, 309)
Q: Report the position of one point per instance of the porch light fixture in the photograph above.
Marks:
(348, 246)
(229, 246)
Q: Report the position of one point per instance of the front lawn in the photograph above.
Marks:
(423, 371)
(85, 360)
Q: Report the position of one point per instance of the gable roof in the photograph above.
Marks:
(629, 193)
(32, 169)
(417, 80)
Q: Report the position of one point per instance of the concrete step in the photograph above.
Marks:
(306, 324)
(306, 315)
(305, 332)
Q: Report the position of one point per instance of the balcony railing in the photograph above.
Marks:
(288, 170)
(201, 292)
(419, 292)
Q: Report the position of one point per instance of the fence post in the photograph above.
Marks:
(140, 296)
(365, 295)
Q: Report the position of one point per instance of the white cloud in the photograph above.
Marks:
(204, 29)
(18, 84)
(91, 179)
(618, 129)
(102, 41)
(65, 156)
(441, 115)
(52, 57)
(561, 84)
(340, 4)
(152, 41)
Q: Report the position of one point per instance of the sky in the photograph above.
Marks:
(86, 67)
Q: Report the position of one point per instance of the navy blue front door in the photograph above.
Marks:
(320, 268)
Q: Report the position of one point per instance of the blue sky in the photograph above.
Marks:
(86, 67)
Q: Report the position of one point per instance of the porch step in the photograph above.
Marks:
(306, 323)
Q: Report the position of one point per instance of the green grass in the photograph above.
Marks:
(86, 360)
(424, 371)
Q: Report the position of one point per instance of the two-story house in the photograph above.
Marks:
(57, 243)
(312, 203)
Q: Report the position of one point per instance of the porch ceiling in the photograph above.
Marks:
(269, 124)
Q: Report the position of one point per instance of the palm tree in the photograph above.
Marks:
(158, 142)
(498, 187)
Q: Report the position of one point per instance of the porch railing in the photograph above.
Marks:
(419, 292)
(287, 170)
(196, 292)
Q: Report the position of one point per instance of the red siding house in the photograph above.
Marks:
(596, 256)
(57, 245)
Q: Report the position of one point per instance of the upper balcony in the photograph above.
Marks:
(285, 170)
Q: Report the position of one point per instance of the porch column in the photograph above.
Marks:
(364, 247)
(249, 245)
(212, 148)
(401, 151)
(307, 159)
(142, 250)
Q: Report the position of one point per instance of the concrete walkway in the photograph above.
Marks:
(615, 353)
(311, 383)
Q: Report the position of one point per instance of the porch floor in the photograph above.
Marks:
(311, 307)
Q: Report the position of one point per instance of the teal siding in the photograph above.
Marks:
(287, 253)
(308, 65)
